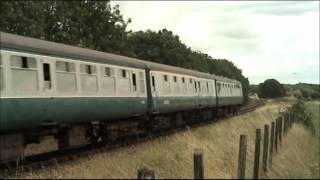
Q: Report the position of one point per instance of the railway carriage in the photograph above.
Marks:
(176, 89)
(229, 92)
(80, 95)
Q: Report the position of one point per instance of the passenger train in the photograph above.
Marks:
(83, 96)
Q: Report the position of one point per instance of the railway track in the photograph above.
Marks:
(52, 158)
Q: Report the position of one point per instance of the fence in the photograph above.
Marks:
(271, 141)
(272, 138)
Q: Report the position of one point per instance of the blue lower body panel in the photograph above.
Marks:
(182, 103)
(226, 101)
(18, 113)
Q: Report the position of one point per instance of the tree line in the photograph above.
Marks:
(271, 88)
(100, 26)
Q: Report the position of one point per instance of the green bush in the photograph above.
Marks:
(270, 88)
(300, 114)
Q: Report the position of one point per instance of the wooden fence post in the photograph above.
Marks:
(276, 137)
(144, 173)
(285, 124)
(198, 164)
(290, 118)
(242, 156)
(257, 155)
(271, 143)
(280, 130)
(265, 148)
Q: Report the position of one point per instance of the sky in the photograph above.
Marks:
(266, 39)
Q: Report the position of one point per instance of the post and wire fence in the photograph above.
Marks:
(273, 135)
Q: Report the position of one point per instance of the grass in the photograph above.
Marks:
(172, 156)
(313, 107)
(298, 157)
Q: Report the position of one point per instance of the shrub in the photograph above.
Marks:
(270, 88)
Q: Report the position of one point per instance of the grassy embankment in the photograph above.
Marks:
(299, 156)
(171, 156)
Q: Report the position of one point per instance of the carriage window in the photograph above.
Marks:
(175, 78)
(195, 86)
(65, 66)
(107, 71)
(88, 69)
(23, 62)
(208, 87)
(190, 80)
(182, 79)
(134, 82)
(153, 83)
(165, 77)
(123, 73)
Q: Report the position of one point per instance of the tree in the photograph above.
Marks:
(97, 25)
(270, 88)
(91, 24)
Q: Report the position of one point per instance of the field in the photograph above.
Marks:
(172, 156)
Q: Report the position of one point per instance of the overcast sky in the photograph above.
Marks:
(265, 39)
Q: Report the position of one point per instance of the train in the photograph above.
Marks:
(80, 95)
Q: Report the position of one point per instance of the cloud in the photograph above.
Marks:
(266, 39)
(282, 7)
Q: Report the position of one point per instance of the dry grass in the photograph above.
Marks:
(298, 156)
(313, 107)
(171, 156)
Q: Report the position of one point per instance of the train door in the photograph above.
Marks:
(47, 75)
(197, 92)
(135, 108)
(215, 89)
(153, 91)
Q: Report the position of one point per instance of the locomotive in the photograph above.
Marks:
(80, 95)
